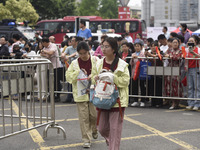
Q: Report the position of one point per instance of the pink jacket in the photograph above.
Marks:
(98, 51)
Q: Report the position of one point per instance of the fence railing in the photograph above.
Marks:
(23, 105)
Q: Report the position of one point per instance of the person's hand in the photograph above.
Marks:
(134, 56)
(24, 55)
(12, 54)
(89, 77)
(85, 72)
(96, 78)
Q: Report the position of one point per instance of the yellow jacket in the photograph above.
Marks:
(72, 74)
(121, 79)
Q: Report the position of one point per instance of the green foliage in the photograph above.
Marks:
(50, 9)
(109, 9)
(104, 8)
(88, 8)
(20, 10)
(5, 13)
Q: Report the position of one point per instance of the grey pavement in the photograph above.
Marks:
(143, 129)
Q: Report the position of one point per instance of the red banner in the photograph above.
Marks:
(124, 12)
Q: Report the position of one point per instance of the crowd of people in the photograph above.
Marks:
(80, 53)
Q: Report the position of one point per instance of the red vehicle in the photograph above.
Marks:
(60, 27)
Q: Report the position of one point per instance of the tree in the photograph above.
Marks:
(20, 10)
(5, 13)
(54, 8)
(108, 9)
(88, 8)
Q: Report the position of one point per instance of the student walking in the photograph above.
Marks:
(110, 121)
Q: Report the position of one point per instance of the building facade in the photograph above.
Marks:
(171, 12)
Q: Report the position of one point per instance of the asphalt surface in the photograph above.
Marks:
(143, 129)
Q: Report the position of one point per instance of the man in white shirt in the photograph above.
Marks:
(165, 32)
(163, 46)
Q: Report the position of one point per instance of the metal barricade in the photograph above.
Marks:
(18, 112)
(163, 72)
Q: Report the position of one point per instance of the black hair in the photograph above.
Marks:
(184, 26)
(155, 43)
(140, 35)
(104, 37)
(150, 40)
(79, 39)
(16, 37)
(37, 33)
(131, 47)
(82, 45)
(10, 41)
(90, 43)
(165, 28)
(126, 43)
(138, 43)
(196, 38)
(95, 44)
(173, 34)
(6, 39)
(119, 39)
(66, 36)
(83, 22)
(181, 38)
(161, 37)
(177, 40)
(45, 39)
(170, 40)
(64, 43)
(113, 43)
(29, 44)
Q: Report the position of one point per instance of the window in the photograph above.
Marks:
(93, 27)
(118, 27)
(133, 26)
(166, 16)
(67, 27)
(51, 26)
(106, 25)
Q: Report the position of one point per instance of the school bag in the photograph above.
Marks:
(105, 94)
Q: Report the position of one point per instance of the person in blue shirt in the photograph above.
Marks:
(84, 32)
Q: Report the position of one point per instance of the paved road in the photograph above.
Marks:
(143, 129)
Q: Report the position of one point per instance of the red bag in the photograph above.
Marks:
(137, 70)
(184, 81)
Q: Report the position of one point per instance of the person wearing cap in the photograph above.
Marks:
(184, 32)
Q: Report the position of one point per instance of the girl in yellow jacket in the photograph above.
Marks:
(86, 110)
(110, 121)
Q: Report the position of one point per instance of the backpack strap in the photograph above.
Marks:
(120, 108)
(98, 116)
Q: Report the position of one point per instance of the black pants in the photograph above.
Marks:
(135, 89)
(58, 76)
(157, 86)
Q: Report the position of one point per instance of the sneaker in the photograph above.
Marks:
(171, 108)
(195, 108)
(142, 104)
(134, 104)
(86, 145)
(189, 107)
(95, 135)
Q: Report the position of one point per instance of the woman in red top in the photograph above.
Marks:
(173, 87)
(193, 77)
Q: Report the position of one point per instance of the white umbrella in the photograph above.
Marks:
(197, 32)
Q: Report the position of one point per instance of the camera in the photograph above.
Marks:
(191, 44)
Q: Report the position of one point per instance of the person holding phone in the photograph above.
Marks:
(193, 76)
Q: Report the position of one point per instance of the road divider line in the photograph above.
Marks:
(35, 135)
(162, 134)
